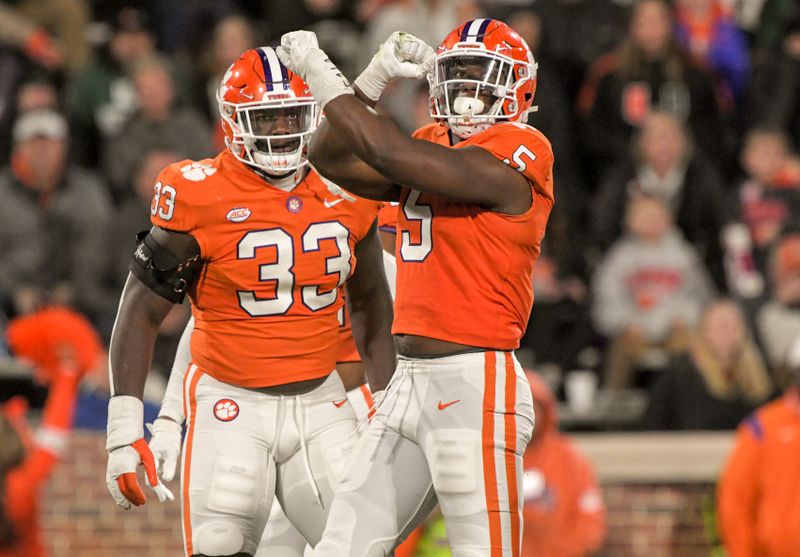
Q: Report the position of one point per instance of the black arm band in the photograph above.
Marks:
(161, 271)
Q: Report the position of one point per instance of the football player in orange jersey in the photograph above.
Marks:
(279, 536)
(262, 248)
(475, 190)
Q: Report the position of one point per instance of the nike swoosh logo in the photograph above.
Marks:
(339, 403)
(330, 204)
(442, 406)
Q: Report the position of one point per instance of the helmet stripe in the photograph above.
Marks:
(275, 69)
(465, 30)
(474, 30)
(265, 66)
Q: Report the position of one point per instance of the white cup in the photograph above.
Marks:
(580, 387)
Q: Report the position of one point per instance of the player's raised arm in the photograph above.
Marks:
(370, 305)
(330, 151)
(334, 159)
(469, 174)
(164, 266)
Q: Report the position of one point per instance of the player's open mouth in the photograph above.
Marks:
(281, 145)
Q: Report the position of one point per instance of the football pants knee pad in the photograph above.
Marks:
(218, 539)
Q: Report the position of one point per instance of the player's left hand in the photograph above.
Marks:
(165, 444)
(295, 49)
(401, 55)
(300, 52)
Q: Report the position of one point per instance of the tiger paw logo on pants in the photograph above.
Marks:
(197, 171)
(226, 410)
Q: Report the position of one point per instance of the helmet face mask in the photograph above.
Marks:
(272, 133)
(272, 136)
(482, 79)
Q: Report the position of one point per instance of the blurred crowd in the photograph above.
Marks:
(672, 259)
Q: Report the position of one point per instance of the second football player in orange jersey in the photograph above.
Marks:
(475, 190)
(262, 246)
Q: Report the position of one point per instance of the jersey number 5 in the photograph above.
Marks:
(281, 273)
(421, 213)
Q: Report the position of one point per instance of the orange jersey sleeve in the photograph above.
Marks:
(267, 299)
(464, 272)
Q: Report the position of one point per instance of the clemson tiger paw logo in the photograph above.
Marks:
(197, 171)
(226, 410)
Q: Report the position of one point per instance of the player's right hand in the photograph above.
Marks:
(165, 444)
(127, 449)
(401, 55)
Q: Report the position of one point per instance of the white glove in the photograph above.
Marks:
(402, 55)
(127, 449)
(165, 445)
(300, 52)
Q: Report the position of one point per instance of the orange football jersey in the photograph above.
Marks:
(266, 301)
(463, 271)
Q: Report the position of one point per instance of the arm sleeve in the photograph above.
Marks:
(738, 493)
(172, 404)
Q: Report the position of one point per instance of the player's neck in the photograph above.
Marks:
(284, 183)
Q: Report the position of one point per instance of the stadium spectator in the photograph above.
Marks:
(707, 30)
(563, 512)
(26, 33)
(778, 319)
(758, 495)
(430, 21)
(53, 223)
(649, 291)
(717, 382)
(62, 346)
(160, 121)
(232, 35)
(664, 163)
(102, 98)
(768, 198)
(775, 98)
(648, 70)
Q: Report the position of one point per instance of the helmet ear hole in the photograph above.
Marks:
(528, 97)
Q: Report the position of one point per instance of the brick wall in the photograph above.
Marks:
(81, 520)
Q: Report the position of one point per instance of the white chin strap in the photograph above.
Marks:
(468, 106)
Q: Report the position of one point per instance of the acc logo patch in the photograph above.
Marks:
(238, 214)
(197, 171)
(294, 204)
(226, 410)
